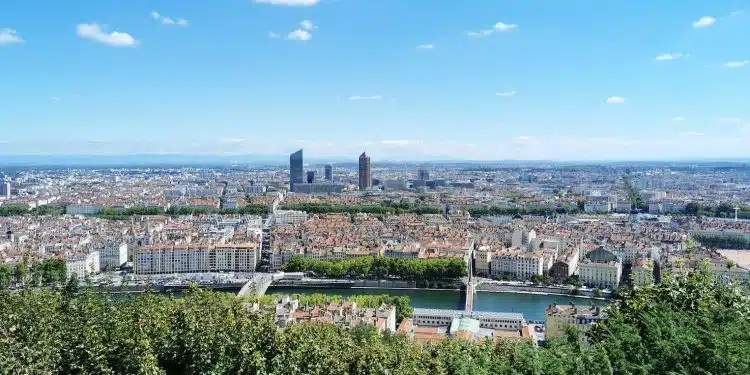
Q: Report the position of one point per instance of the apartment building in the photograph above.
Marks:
(82, 265)
(193, 259)
(286, 217)
(642, 272)
(518, 263)
(600, 274)
(112, 255)
(83, 209)
(482, 260)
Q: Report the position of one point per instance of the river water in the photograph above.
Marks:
(532, 306)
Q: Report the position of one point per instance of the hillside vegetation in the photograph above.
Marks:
(686, 325)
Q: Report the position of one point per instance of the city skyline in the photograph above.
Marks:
(489, 81)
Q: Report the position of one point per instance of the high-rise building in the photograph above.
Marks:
(329, 172)
(424, 174)
(310, 177)
(296, 171)
(5, 189)
(365, 174)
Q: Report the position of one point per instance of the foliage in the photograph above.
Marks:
(250, 209)
(14, 210)
(686, 325)
(51, 271)
(381, 267)
(689, 324)
(635, 198)
(22, 209)
(724, 241)
(403, 309)
(382, 209)
(495, 210)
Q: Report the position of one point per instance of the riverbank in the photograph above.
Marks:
(532, 306)
(546, 294)
(550, 290)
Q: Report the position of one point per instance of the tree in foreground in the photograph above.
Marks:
(687, 325)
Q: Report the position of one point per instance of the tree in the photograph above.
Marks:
(21, 271)
(692, 208)
(6, 275)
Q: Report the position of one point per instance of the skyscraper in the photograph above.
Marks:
(5, 189)
(310, 177)
(329, 172)
(424, 174)
(296, 171)
(365, 175)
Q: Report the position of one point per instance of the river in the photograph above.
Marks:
(532, 306)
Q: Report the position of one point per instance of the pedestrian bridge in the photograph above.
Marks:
(258, 285)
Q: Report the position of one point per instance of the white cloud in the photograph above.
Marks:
(525, 138)
(426, 46)
(480, 34)
(97, 33)
(678, 119)
(501, 27)
(232, 140)
(307, 25)
(55, 99)
(373, 97)
(272, 35)
(400, 142)
(506, 93)
(615, 100)
(9, 36)
(704, 21)
(669, 56)
(691, 134)
(737, 64)
(736, 13)
(291, 3)
(731, 119)
(168, 21)
(300, 35)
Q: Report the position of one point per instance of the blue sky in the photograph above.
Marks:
(413, 79)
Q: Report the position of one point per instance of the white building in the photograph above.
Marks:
(83, 209)
(196, 259)
(522, 238)
(519, 264)
(112, 255)
(492, 320)
(642, 272)
(286, 217)
(83, 264)
(600, 274)
(482, 259)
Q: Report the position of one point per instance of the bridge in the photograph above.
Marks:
(257, 286)
(470, 287)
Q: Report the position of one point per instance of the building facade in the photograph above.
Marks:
(600, 274)
(83, 265)
(151, 260)
(365, 173)
(296, 169)
(493, 320)
(112, 255)
(329, 172)
(520, 264)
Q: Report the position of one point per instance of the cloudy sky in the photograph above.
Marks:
(410, 79)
